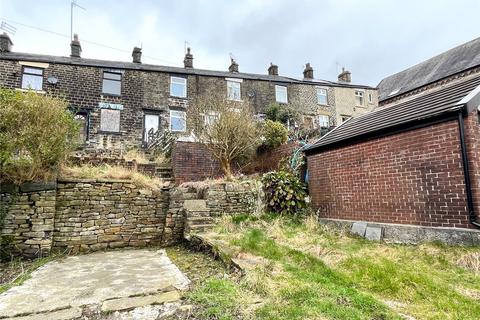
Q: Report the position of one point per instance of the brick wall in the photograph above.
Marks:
(415, 177)
(192, 161)
(270, 160)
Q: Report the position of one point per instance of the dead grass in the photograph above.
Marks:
(470, 261)
(111, 172)
(141, 158)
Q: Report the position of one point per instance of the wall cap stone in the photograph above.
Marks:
(38, 186)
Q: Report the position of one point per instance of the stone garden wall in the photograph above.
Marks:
(95, 214)
(27, 215)
(90, 215)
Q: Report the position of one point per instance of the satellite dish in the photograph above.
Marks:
(251, 93)
(52, 80)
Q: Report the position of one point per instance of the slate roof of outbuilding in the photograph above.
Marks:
(168, 69)
(458, 59)
(404, 114)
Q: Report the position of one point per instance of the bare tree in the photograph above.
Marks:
(228, 128)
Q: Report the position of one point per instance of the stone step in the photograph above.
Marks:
(199, 227)
(200, 220)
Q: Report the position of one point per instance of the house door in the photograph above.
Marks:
(82, 120)
(151, 121)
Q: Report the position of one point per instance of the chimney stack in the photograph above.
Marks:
(308, 72)
(5, 43)
(75, 47)
(188, 61)
(345, 76)
(137, 55)
(273, 69)
(233, 66)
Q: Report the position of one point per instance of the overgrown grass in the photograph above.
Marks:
(317, 273)
(111, 172)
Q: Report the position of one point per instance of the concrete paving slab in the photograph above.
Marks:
(359, 228)
(141, 301)
(373, 233)
(66, 314)
(91, 279)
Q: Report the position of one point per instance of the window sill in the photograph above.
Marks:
(323, 104)
(281, 102)
(364, 107)
(30, 90)
(110, 132)
(175, 97)
(235, 100)
(110, 95)
(178, 131)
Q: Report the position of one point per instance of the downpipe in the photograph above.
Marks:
(466, 172)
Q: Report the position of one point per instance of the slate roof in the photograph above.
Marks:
(404, 114)
(159, 68)
(448, 63)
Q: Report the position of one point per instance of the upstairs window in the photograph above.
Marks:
(370, 98)
(323, 121)
(178, 121)
(281, 94)
(359, 98)
(178, 87)
(322, 96)
(233, 90)
(210, 118)
(112, 83)
(32, 78)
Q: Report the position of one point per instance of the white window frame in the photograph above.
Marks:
(278, 91)
(370, 97)
(360, 95)
(210, 118)
(234, 85)
(323, 124)
(325, 95)
(178, 114)
(178, 81)
(33, 74)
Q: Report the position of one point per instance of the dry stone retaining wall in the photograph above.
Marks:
(89, 215)
(93, 215)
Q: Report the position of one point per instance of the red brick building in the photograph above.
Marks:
(415, 159)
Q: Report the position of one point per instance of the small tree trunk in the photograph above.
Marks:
(227, 169)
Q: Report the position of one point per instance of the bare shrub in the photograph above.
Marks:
(470, 261)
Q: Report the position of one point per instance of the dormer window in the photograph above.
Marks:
(233, 90)
(281, 95)
(32, 78)
(178, 87)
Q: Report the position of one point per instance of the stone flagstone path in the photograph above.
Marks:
(116, 280)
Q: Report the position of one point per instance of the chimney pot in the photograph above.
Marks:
(75, 47)
(345, 76)
(233, 66)
(188, 61)
(273, 69)
(137, 55)
(308, 72)
(5, 43)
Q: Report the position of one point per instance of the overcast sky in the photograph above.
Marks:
(371, 38)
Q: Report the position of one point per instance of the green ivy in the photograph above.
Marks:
(284, 192)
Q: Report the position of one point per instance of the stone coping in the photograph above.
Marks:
(101, 180)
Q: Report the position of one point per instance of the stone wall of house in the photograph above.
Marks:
(347, 106)
(27, 215)
(413, 177)
(148, 92)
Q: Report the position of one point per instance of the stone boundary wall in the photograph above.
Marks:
(28, 218)
(79, 215)
(96, 214)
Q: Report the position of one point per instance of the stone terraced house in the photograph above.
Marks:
(119, 102)
(411, 167)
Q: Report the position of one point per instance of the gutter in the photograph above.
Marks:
(466, 172)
